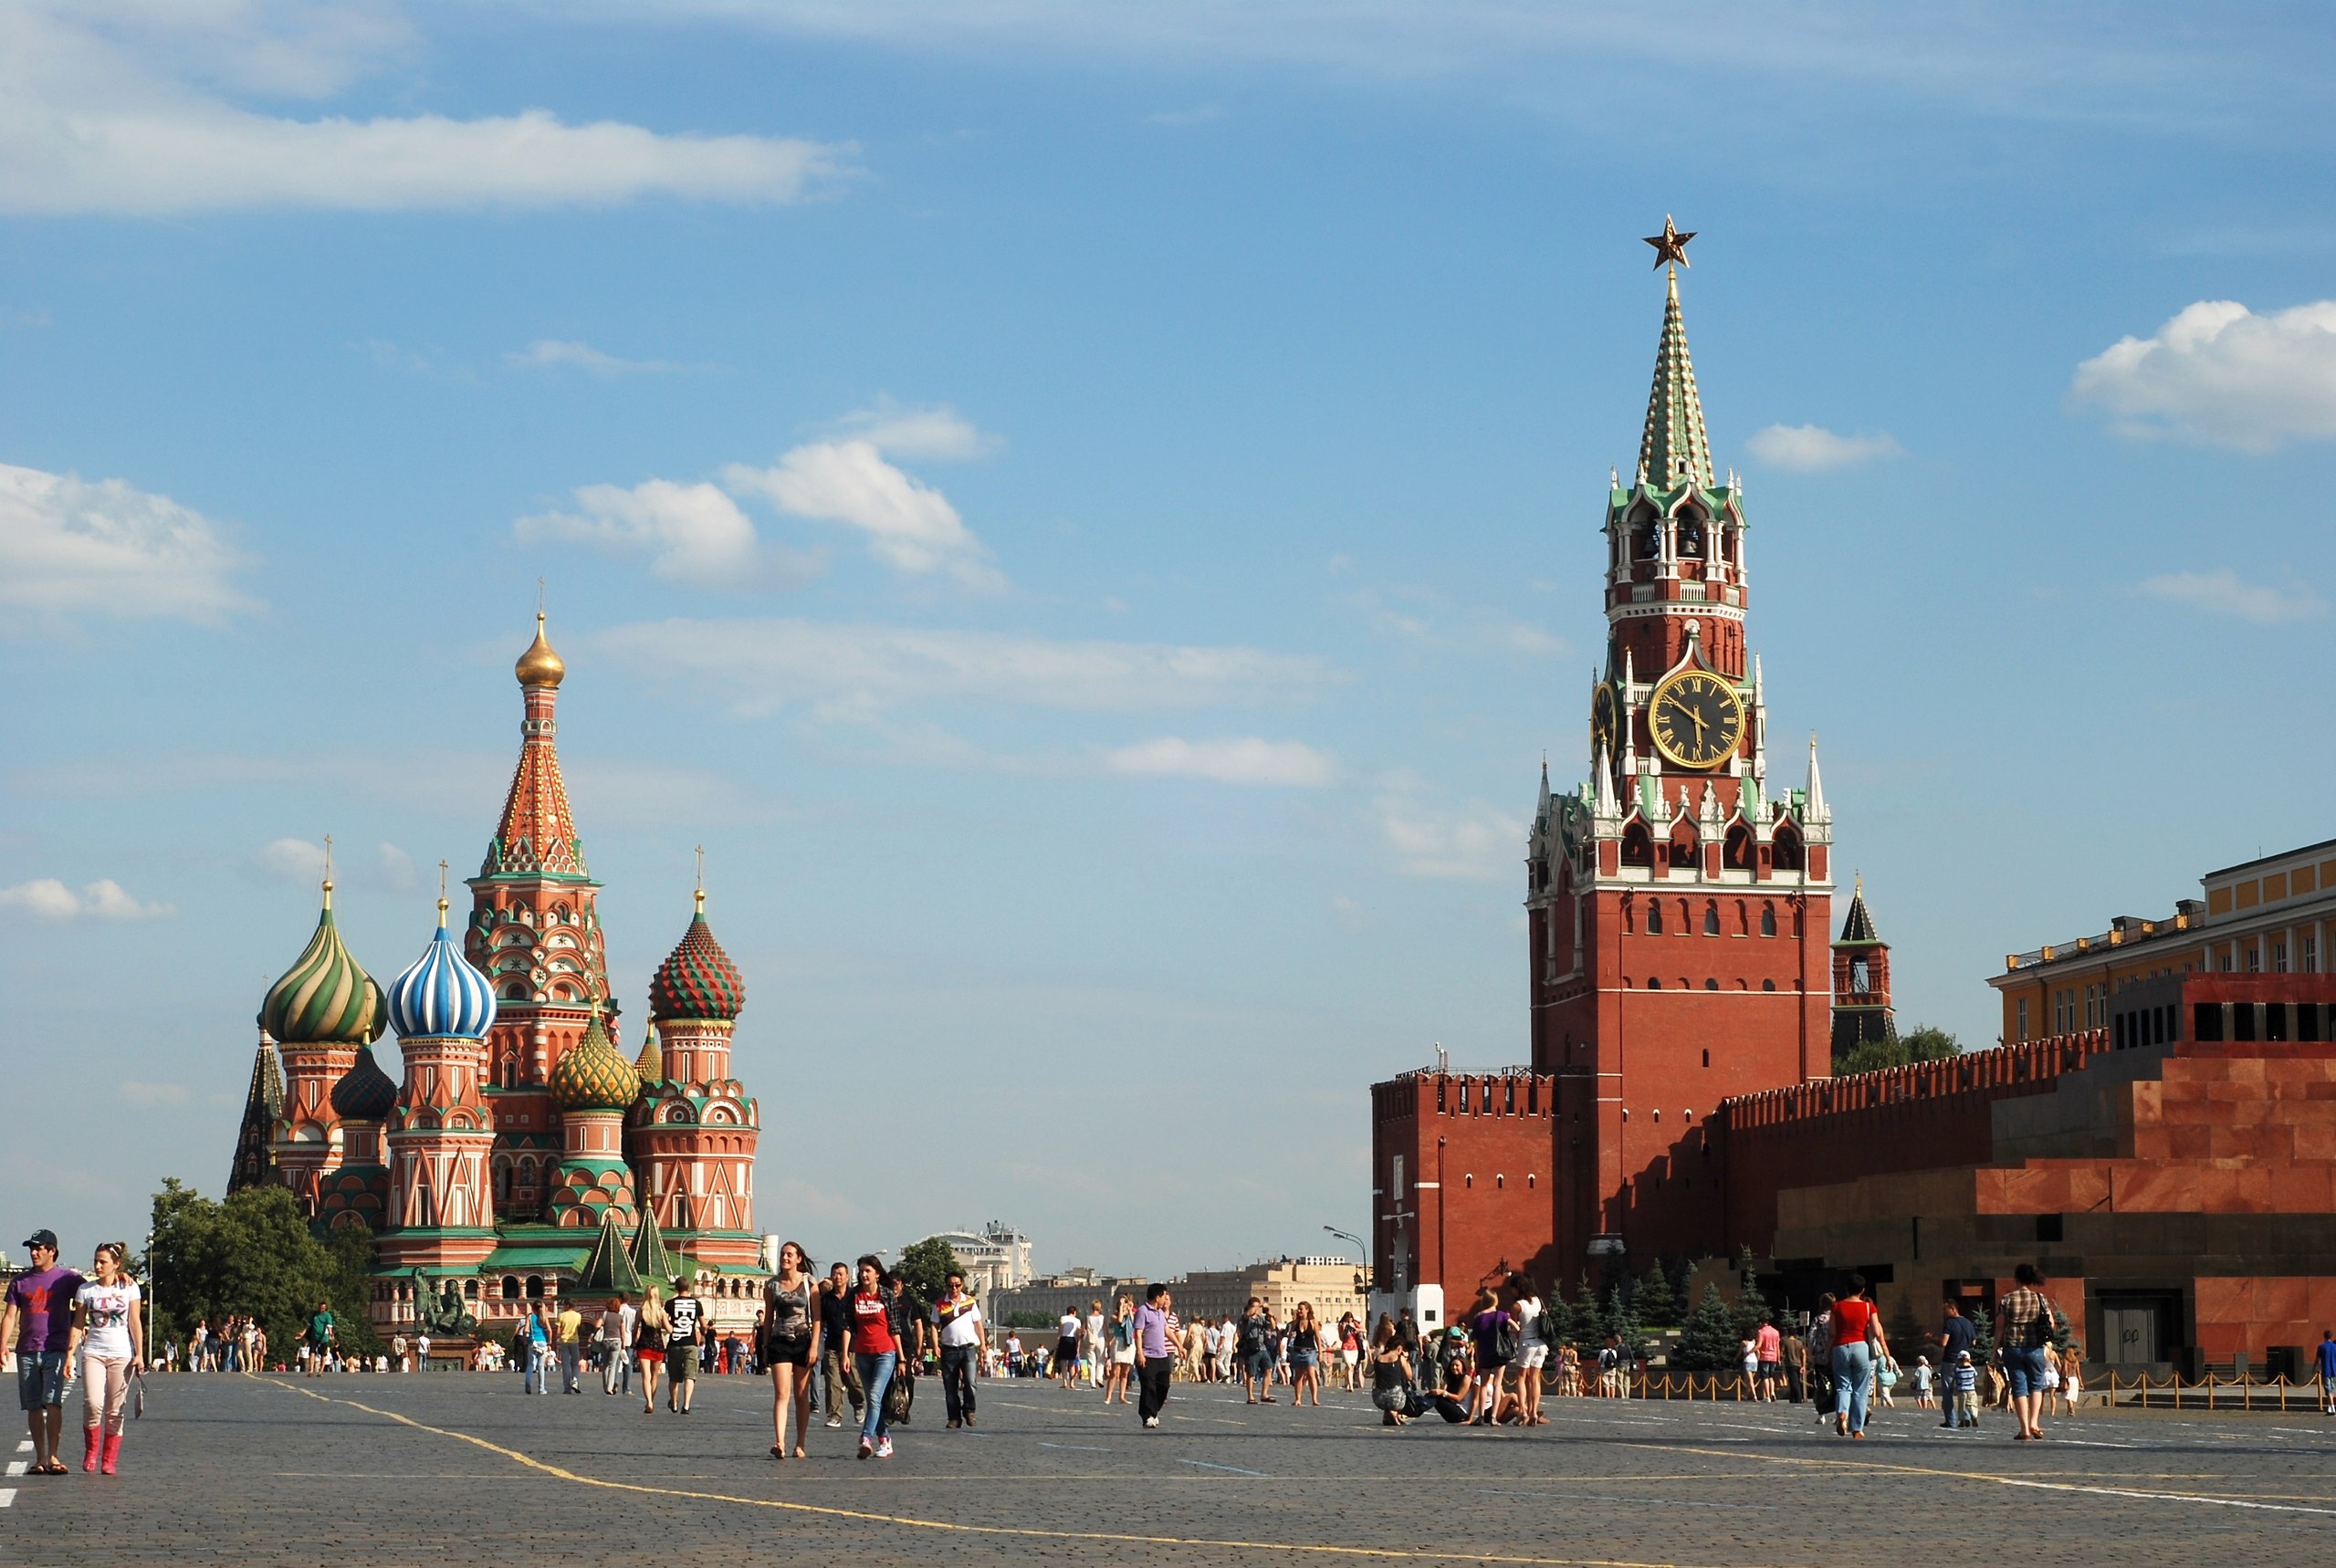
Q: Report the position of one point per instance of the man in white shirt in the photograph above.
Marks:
(422, 1351)
(1094, 1344)
(1066, 1347)
(964, 1336)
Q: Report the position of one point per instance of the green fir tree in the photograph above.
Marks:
(1587, 1327)
(1619, 1320)
(1710, 1340)
(1654, 1302)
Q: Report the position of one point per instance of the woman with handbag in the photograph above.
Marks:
(649, 1347)
(876, 1356)
(1857, 1344)
(790, 1347)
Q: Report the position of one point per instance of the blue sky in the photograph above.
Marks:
(1088, 513)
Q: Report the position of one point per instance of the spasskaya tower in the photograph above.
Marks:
(1678, 903)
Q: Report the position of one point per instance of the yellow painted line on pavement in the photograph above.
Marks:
(954, 1527)
(1873, 1466)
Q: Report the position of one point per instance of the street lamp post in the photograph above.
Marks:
(148, 1316)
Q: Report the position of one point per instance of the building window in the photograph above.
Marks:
(1768, 920)
(1655, 915)
(2254, 959)
(2311, 954)
(1707, 1059)
(2279, 957)
(1712, 920)
(1711, 985)
(2020, 1020)
(1653, 984)
(1767, 985)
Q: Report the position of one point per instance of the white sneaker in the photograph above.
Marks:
(866, 1448)
(883, 1448)
(835, 1421)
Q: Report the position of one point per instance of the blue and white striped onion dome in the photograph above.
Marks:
(440, 994)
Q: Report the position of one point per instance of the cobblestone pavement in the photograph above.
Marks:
(372, 1469)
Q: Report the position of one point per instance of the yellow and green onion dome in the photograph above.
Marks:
(325, 998)
(594, 1076)
(365, 1094)
(698, 981)
(440, 996)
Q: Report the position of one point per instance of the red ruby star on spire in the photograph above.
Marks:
(1670, 244)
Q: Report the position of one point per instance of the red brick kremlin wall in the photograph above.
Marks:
(1487, 1140)
(1917, 1117)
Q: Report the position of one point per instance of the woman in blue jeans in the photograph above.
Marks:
(875, 1352)
(1858, 1340)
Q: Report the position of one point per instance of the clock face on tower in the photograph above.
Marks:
(1602, 722)
(1696, 718)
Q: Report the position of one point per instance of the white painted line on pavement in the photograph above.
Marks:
(17, 1467)
(8, 1496)
(1235, 1469)
(24, 1446)
(1083, 1447)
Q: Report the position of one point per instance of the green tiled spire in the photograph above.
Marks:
(651, 1261)
(607, 1272)
(1674, 447)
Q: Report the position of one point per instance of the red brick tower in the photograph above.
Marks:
(1861, 1014)
(1679, 908)
(1677, 911)
(535, 931)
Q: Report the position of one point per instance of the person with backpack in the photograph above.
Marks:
(1391, 1375)
(1253, 1348)
(1495, 1333)
(2025, 1330)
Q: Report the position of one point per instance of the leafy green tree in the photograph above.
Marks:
(254, 1255)
(925, 1267)
(1026, 1318)
(1710, 1343)
(1654, 1302)
(1926, 1043)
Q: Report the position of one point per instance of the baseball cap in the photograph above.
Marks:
(42, 1239)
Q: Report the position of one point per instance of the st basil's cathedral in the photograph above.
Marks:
(522, 1156)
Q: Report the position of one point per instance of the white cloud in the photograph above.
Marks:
(910, 527)
(567, 353)
(764, 664)
(2219, 374)
(1812, 448)
(394, 866)
(292, 860)
(2221, 592)
(693, 534)
(1475, 842)
(105, 899)
(1244, 761)
(938, 432)
(68, 546)
(98, 119)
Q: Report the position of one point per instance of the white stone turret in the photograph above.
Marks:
(1815, 812)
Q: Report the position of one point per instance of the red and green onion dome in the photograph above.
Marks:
(325, 998)
(365, 1094)
(697, 981)
(594, 1076)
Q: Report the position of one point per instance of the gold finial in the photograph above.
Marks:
(1859, 889)
(328, 871)
(701, 879)
(540, 666)
(1671, 245)
(442, 895)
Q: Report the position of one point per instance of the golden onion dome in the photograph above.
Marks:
(595, 1075)
(540, 666)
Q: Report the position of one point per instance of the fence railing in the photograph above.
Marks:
(2118, 1390)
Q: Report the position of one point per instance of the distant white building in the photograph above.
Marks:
(996, 1256)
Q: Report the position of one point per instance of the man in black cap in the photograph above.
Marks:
(37, 1315)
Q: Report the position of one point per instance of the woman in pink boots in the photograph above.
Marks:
(108, 1326)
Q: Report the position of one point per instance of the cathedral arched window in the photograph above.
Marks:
(1767, 985)
(1768, 920)
(535, 1286)
(1654, 983)
(1690, 537)
(1711, 985)
(1711, 918)
(1638, 845)
(1655, 915)
(1651, 540)
(1737, 856)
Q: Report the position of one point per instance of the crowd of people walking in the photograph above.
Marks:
(850, 1346)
